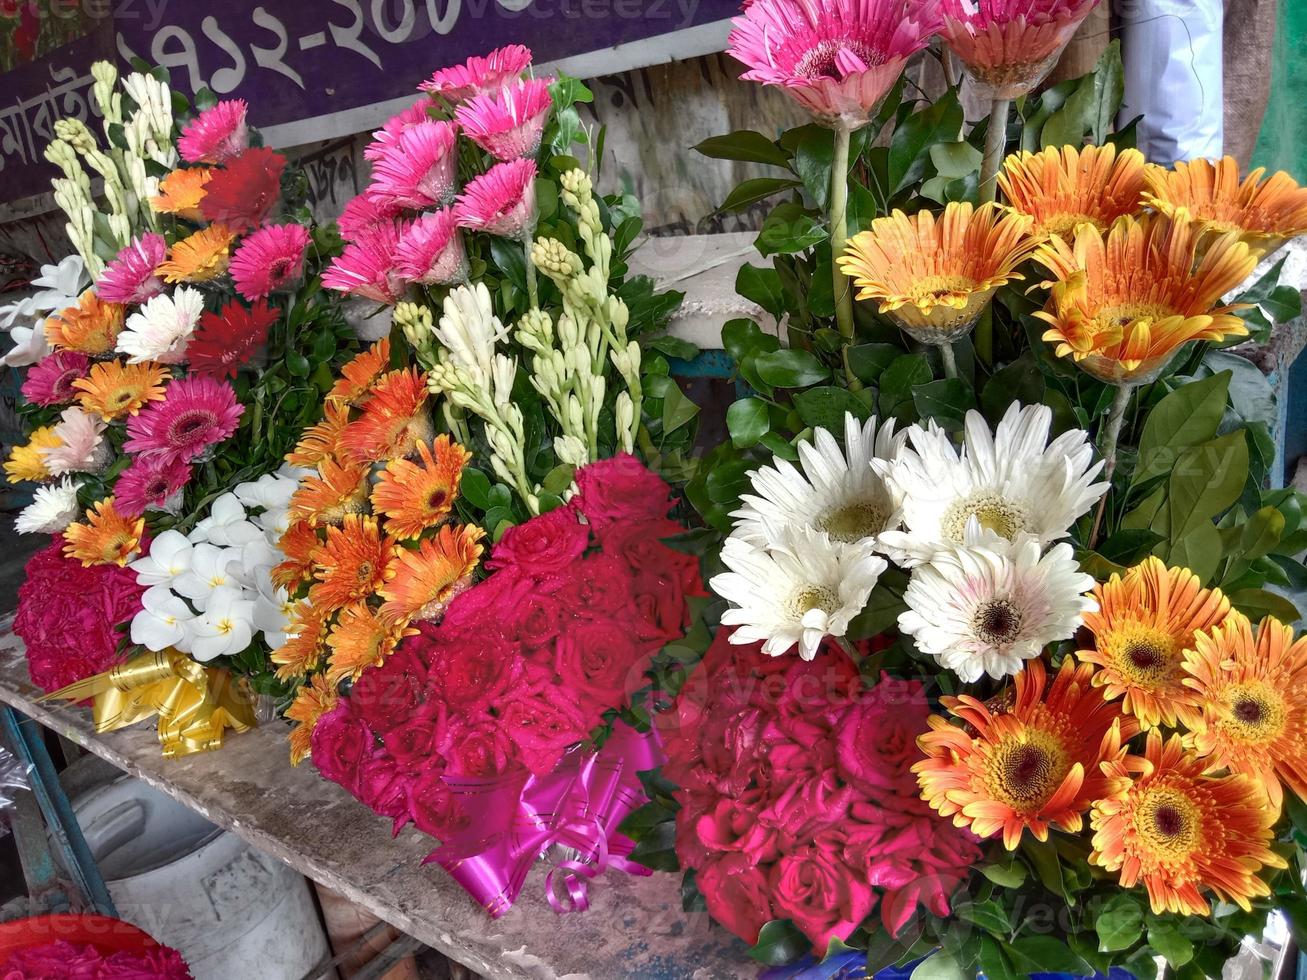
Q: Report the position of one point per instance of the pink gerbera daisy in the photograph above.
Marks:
(1009, 46)
(507, 124)
(364, 213)
(132, 277)
(836, 58)
(217, 134)
(151, 483)
(394, 127)
(367, 267)
(268, 259)
(477, 75)
(502, 201)
(431, 251)
(196, 412)
(417, 169)
(51, 381)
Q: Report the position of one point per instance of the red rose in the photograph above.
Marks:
(383, 788)
(737, 895)
(600, 658)
(388, 696)
(478, 748)
(876, 738)
(536, 620)
(542, 724)
(620, 489)
(413, 743)
(472, 669)
(433, 807)
(819, 893)
(599, 585)
(733, 825)
(486, 601)
(338, 743)
(547, 543)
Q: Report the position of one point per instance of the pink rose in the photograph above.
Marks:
(472, 669)
(388, 696)
(819, 893)
(599, 585)
(542, 725)
(478, 747)
(413, 743)
(599, 659)
(383, 788)
(486, 601)
(620, 489)
(338, 743)
(536, 620)
(434, 808)
(547, 543)
(733, 825)
(736, 893)
(877, 737)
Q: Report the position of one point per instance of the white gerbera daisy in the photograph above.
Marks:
(160, 330)
(1000, 486)
(52, 509)
(801, 589)
(838, 492)
(988, 610)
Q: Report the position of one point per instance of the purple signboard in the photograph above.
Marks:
(314, 69)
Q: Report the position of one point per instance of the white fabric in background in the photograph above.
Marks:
(1173, 76)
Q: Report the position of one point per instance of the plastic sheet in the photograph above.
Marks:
(13, 780)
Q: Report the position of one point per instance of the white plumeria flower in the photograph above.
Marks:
(227, 525)
(30, 346)
(169, 559)
(294, 473)
(987, 610)
(210, 571)
(52, 509)
(165, 620)
(61, 285)
(256, 556)
(23, 309)
(160, 330)
(802, 589)
(274, 522)
(225, 627)
(469, 330)
(837, 492)
(271, 492)
(998, 486)
(273, 609)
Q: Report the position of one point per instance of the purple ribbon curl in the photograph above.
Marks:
(512, 819)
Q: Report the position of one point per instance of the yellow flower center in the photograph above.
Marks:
(1167, 822)
(225, 626)
(1024, 770)
(814, 597)
(854, 521)
(1144, 656)
(1065, 222)
(1006, 518)
(364, 572)
(1256, 713)
(930, 291)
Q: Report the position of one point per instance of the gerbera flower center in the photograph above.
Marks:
(1120, 317)
(835, 58)
(1006, 518)
(931, 291)
(997, 621)
(1167, 822)
(853, 521)
(437, 498)
(1257, 713)
(1142, 655)
(1065, 222)
(1025, 770)
(813, 597)
(190, 427)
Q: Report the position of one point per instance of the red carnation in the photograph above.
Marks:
(226, 340)
(241, 194)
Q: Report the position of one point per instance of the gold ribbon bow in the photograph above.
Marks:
(195, 704)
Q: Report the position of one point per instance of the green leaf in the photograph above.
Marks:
(568, 91)
(940, 966)
(745, 145)
(1262, 533)
(742, 337)
(1187, 416)
(825, 407)
(1127, 546)
(1119, 923)
(762, 286)
(953, 160)
(868, 361)
(779, 942)
(1048, 867)
(897, 381)
(297, 364)
(1259, 603)
(1199, 550)
(474, 487)
(1007, 872)
(1020, 381)
(677, 409)
(945, 401)
(994, 962)
(510, 260)
(790, 368)
(1206, 480)
(1284, 304)
(789, 229)
(1166, 937)
(672, 347)
(813, 157)
(747, 421)
(752, 191)
(989, 915)
(939, 122)
(1045, 954)
(558, 479)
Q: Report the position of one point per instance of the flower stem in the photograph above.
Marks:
(839, 233)
(532, 292)
(1111, 435)
(995, 144)
(950, 360)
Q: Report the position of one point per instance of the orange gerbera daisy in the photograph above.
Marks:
(361, 637)
(1163, 821)
(355, 562)
(427, 578)
(303, 649)
(92, 326)
(27, 462)
(358, 376)
(200, 257)
(338, 490)
(1264, 213)
(1122, 304)
(1253, 696)
(416, 496)
(313, 700)
(1144, 624)
(114, 389)
(394, 419)
(933, 276)
(181, 192)
(321, 441)
(1029, 766)
(107, 537)
(1063, 186)
(300, 545)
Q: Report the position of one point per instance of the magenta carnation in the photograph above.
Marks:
(478, 75)
(368, 265)
(131, 278)
(502, 201)
(68, 616)
(417, 170)
(431, 251)
(836, 58)
(217, 134)
(50, 382)
(268, 259)
(150, 483)
(508, 124)
(196, 413)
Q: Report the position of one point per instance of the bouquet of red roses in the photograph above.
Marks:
(497, 701)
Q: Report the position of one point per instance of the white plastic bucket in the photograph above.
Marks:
(230, 910)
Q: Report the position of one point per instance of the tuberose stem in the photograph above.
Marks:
(995, 144)
(839, 231)
(532, 293)
(950, 360)
(1111, 435)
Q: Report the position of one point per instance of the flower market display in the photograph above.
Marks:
(970, 649)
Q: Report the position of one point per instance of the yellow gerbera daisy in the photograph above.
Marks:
(107, 537)
(416, 496)
(427, 578)
(114, 389)
(361, 637)
(27, 462)
(181, 192)
(302, 651)
(1063, 186)
(202, 256)
(321, 441)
